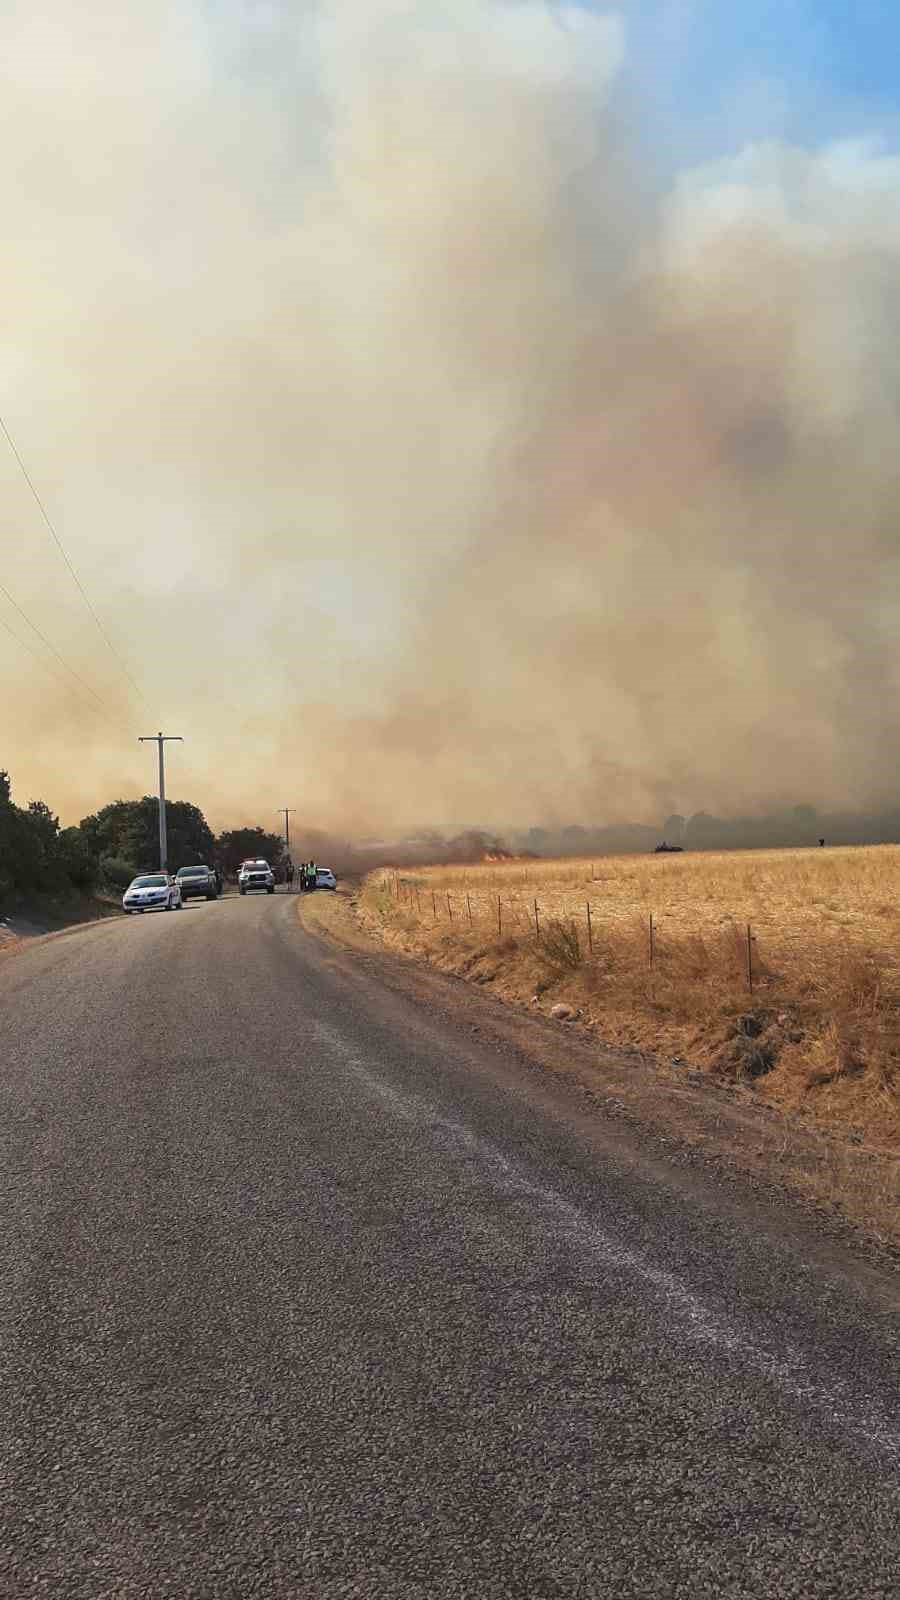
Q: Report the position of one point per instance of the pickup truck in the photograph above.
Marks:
(256, 875)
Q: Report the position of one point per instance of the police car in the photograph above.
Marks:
(256, 875)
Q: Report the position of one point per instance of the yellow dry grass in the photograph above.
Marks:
(792, 898)
(818, 1035)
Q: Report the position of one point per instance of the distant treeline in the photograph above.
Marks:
(799, 826)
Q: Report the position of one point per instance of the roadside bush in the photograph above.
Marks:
(116, 873)
(76, 859)
(560, 945)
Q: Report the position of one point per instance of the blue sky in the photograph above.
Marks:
(723, 71)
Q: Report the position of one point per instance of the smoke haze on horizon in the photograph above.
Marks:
(431, 454)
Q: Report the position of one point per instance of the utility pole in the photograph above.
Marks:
(287, 812)
(162, 739)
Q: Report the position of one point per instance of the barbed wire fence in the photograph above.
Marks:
(491, 909)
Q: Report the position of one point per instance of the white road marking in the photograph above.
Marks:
(789, 1369)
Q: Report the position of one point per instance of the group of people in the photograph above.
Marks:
(306, 872)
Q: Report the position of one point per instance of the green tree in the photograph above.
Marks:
(128, 830)
(240, 844)
(7, 826)
(35, 856)
(76, 859)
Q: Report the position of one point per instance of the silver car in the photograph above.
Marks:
(256, 875)
(152, 891)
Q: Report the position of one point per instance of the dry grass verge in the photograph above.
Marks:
(817, 1036)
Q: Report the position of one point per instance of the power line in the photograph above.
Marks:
(63, 552)
(52, 648)
(24, 645)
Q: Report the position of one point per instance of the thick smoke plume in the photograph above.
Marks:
(430, 455)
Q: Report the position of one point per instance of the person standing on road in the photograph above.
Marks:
(289, 874)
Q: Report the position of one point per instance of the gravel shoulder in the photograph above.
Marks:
(846, 1194)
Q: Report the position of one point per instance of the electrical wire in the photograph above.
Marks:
(75, 578)
(52, 648)
(84, 704)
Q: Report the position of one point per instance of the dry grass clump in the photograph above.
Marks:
(817, 1033)
(559, 945)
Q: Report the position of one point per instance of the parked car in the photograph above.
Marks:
(152, 891)
(197, 883)
(256, 875)
(325, 878)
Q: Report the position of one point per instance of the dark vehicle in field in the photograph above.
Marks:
(197, 883)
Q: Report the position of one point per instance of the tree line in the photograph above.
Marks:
(105, 851)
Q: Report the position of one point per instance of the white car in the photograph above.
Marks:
(325, 878)
(152, 891)
(256, 875)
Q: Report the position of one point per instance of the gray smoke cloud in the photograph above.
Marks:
(431, 459)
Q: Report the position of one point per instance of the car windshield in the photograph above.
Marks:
(154, 881)
(192, 872)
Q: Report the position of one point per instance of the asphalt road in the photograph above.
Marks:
(308, 1288)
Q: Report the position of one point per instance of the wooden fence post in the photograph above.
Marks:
(418, 901)
(749, 959)
(651, 939)
(590, 929)
(434, 904)
(499, 918)
(469, 904)
(537, 921)
(449, 907)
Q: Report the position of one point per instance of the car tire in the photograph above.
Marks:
(243, 891)
(210, 897)
(272, 890)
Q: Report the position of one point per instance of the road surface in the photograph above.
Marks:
(310, 1288)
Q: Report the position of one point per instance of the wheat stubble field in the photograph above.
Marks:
(817, 1035)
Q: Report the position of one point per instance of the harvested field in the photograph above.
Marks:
(804, 1014)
